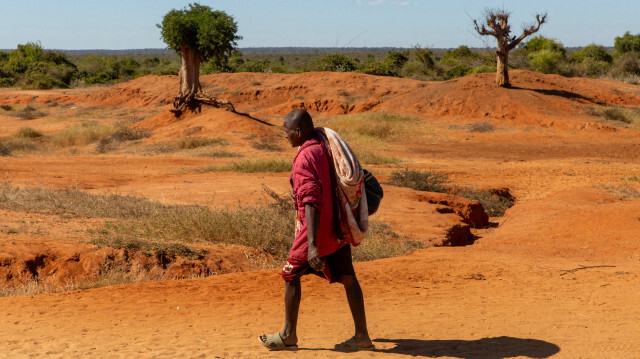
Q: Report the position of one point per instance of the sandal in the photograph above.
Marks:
(274, 342)
(350, 345)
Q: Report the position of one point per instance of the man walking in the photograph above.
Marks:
(316, 248)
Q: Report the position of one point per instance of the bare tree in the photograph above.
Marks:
(496, 24)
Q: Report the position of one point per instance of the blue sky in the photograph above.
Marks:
(129, 24)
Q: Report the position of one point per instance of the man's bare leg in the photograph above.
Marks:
(292, 297)
(356, 304)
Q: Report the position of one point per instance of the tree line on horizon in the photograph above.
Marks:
(31, 66)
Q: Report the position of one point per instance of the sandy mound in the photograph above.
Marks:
(145, 92)
(535, 99)
(211, 122)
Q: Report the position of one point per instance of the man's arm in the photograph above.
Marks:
(312, 216)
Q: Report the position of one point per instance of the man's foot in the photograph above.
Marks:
(352, 344)
(275, 342)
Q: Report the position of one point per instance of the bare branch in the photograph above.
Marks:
(540, 19)
(482, 30)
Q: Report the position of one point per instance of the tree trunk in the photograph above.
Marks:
(189, 73)
(191, 94)
(502, 66)
(502, 73)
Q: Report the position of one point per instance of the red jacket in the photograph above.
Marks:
(311, 182)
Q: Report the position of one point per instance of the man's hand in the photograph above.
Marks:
(314, 260)
(312, 217)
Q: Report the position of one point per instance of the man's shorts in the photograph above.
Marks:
(335, 264)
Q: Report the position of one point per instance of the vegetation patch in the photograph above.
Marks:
(187, 143)
(29, 113)
(160, 148)
(634, 178)
(382, 242)
(369, 157)
(616, 114)
(481, 127)
(266, 144)
(252, 166)
(20, 144)
(421, 181)
(123, 134)
(4, 149)
(81, 135)
(133, 244)
(622, 191)
(220, 154)
(28, 132)
(376, 127)
(493, 202)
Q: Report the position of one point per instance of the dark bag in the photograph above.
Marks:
(373, 191)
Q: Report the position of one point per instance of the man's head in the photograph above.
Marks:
(298, 127)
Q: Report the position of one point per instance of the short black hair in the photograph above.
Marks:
(300, 119)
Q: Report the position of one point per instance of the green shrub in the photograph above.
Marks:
(336, 63)
(7, 81)
(483, 69)
(457, 71)
(627, 43)
(628, 63)
(421, 181)
(545, 60)
(539, 43)
(593, 52)
(458, 56)
(35, 68)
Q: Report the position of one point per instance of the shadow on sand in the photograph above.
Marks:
(485, 348)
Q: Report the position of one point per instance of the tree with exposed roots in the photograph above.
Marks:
(198, 34)
(496, 24)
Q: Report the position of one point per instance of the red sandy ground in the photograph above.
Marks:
(558, 277)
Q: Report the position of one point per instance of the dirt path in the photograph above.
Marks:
(510, 295)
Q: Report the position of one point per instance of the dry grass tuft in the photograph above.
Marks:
(382, 242)
(29, 113)
(376, 128)
(82, 135)
(616, 114)
(250, 166)
(187, 143)
(266, 144)
(421, 181)
(368, 157)
(28, 132)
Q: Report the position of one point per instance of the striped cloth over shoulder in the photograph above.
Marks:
(349, 179)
